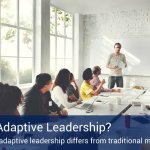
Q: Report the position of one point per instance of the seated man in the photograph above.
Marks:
(86, 90)
(96, 81)
(37, 101)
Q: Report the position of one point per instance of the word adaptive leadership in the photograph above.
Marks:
(48, 127)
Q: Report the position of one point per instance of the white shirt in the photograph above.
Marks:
(115, 59)
(61, 98)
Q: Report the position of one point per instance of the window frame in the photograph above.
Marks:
(65, 37)
(19, 28)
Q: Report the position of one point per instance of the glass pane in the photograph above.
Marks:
(26, 13)
(8, 41)
(9, 11)
(68, 24)
(60, 47)
(60, 22)
(68, 64)
(25, 71)
(26, 43)
(52, 47)
(9, 70)
(69, 51)
(52, 68)
(60, 64)
(52, 20)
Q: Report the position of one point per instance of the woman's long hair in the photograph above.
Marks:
(63, 79)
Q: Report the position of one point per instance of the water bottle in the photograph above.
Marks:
(127, 120)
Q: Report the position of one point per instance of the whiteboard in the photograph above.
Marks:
(136, 50)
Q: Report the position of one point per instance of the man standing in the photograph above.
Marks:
(37, 101)
(116, 62)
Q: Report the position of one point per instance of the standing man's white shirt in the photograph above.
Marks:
(113, 61)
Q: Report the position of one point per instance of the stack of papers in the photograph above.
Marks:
(117, 63)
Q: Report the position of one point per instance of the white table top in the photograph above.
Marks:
(103, 108)
(138, 110)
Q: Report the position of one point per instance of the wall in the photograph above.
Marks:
(132, 28)
(78, 47)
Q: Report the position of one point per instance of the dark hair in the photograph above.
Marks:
(87, 74)
(71, 76)
(10, 98)
(96, 69)
(42, 79)
(1, 84)
(62, 79)
(117, 44)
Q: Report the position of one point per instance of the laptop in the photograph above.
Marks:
(85, 105)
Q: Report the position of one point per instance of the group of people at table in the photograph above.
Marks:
(64, 91)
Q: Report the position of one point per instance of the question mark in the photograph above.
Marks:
(109, 125)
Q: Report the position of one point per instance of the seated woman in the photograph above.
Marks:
(10, 98)
(72, 90)
(95, 82)
(86, 90)
(60, 88)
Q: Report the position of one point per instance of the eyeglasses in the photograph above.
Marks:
(117, 47)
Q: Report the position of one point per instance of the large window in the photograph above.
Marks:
(16, 41)
(61, 40)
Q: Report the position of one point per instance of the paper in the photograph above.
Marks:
(117, 63)
(121, 65)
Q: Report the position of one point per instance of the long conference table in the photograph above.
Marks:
(131, 100)
(128, 98)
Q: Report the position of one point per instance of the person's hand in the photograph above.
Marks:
(78, 101)
(103, 81)
(112, 67)
(64, 112)
(54, 113)
(116, 67)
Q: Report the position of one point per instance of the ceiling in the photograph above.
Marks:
(97, 6)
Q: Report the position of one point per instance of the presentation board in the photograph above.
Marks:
(136, 50)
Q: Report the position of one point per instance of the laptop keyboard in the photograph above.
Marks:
(85, 105)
